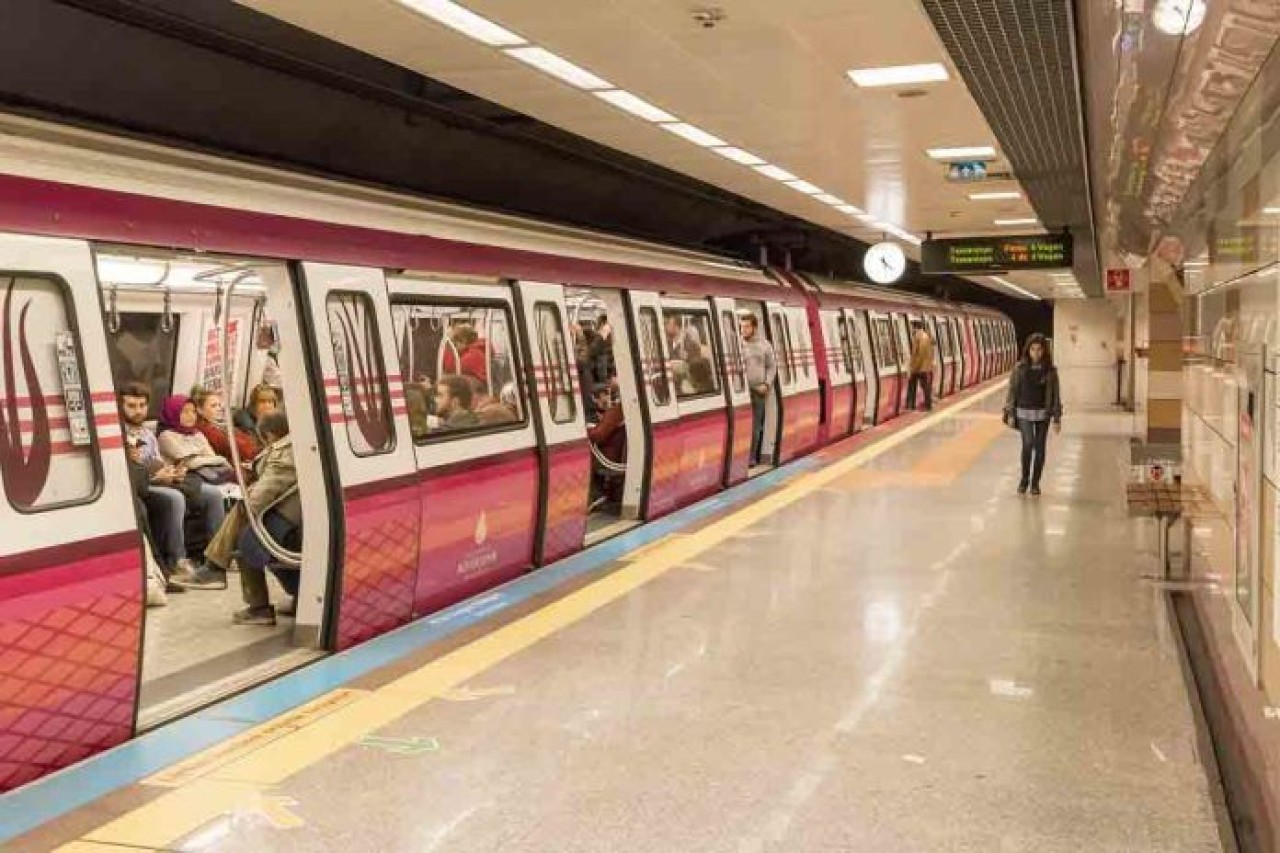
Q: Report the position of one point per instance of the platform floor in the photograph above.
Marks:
(891, 653)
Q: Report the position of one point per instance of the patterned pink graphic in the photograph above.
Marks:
(688, 461)
(380, 562)
(740, 452)
(370, 405)
(24, 473)
(841, 410)
(569, 484)
(800, 422)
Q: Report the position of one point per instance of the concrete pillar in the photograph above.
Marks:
(1164, 356)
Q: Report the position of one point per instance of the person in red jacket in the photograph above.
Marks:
(467, 354)
(610, 437)
(212, 422)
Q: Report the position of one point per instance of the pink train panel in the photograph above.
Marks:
(568, 486)
(380, 559)
(859, 406)
(800, 424)
(740, 450)
(477, 528)
(70, 637)
(888, 399)
(841, 411)
(688, 458)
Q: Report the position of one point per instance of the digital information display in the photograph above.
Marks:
(996, 254)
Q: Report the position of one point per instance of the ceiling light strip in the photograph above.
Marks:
(559, 67)
(463, 20)
(898, 75)
(1011, 286)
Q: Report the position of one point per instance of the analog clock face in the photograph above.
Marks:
(885, 263)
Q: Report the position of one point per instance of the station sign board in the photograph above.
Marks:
(978, 255)
(974, 171)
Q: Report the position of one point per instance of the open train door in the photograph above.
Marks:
(737, 394)
(657, 399)
(564, 457)
(375, 529)
(72, 576)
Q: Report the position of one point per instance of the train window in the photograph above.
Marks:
(459, 363)
(733, 366)
(651, 361)
(47, 453)
(553, 362)
(362, 375)
(142, 351)
(886, 349)
(782, 349)
(692, 354)
(848, 346)
(798, 338)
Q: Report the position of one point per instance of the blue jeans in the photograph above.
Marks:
(165, 509)
(213, 508)
(758, 402)
(253, 559)
(1035, 439)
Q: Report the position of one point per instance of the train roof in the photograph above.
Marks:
(887, 296)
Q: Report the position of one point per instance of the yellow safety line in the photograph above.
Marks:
(236, 776)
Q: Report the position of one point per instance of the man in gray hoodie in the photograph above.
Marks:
(761, 368)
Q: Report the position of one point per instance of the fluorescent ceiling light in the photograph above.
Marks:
(1271, 211)
(828, 198)
(912, 239)
(1014, 287)
(777, 173)
(898, 75)
(867, 217)
(737, 155)
(849, 209)
(637, 106)
(1024, 221)
(1196, 264)
(1178, 17)
(805, 187)
(973, 152)
(559, 67)
(465, 21)
(996, 196)
(696, 135)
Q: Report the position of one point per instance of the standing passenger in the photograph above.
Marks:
(921, 367)
(761, 369)
(1033, 400)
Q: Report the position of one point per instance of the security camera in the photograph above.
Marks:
(708, 18)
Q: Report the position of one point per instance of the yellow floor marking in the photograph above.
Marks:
(242, 783)
(466, 693)
(939, 467)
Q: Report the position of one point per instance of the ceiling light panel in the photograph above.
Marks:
(805, 187)
(995, 196)
(828, 198)
(972, 152)
(464, 21)
(737, 155)
(898, 75)
(1005, 222)
(637, 106)
(559, 67)
(777, 173)
(696, 135)
(849, 209)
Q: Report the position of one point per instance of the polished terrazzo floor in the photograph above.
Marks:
(909, 658)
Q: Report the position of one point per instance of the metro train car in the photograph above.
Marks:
(430, 361)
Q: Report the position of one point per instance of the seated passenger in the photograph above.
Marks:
(274, 500)
(453, 403)
(467, 353)
(417, 399)
(170, 493)
(183, 444)
(610, 437)
(491, 411)
(212, 424)
(701, 378)
(263, 400)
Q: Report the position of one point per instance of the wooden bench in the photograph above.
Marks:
(1167, 503)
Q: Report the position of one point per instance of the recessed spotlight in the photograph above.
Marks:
(637, 106)
(696, 135)
(972, 152)
(737, 155)
(1271, 211)
(994, 196)
(777, 173)
(465, 21)
(898, 75)
(559, 67)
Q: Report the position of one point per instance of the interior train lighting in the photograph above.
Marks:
(805, 187)
(737, 155)
(898, 75)
(637, 106)
(559, 67)
(1011, 286)
(995, 196)
(1178, 17)
(971, 152)
(463, 20)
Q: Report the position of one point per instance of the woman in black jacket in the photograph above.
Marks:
(1033, 401)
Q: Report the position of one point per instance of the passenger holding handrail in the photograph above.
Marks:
(761, 368)
(471, 357)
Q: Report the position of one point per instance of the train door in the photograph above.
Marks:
(851, 351)
(775, 324)
(839, 358)
(902, 337)
(802, 405)
(737, 394)
(939, 377)
(865, 361)
(644, 313)
(884, 349)
(71, 568)
(467, 388)
(972, 356)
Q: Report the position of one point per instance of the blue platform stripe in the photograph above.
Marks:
(60, 793)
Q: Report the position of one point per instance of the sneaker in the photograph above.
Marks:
(183, 572)
(255, 616)
(172, 588)
(155, 593)
(205, 577)
(1035, 490)
(1022, 488)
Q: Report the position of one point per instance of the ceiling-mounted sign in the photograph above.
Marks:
(1119, 280)
(976, 255)
(974, 170)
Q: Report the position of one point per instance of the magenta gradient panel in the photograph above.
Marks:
(740, 451)
(841, 410)
(688, 458)
(477, 528)
(860, 406)
(888, 399)
(800, 424)
(568, 488)
(70, 637)
(379, 564)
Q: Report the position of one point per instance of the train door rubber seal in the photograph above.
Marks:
(524, 334)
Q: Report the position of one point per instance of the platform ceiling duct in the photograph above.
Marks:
(1018, 58)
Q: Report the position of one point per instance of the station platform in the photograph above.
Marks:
(881, 648)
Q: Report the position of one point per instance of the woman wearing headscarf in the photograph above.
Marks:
(186, 449)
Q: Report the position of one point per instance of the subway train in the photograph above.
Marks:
(427, 357)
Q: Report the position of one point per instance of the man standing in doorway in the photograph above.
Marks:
(921, 367)
(761, 369)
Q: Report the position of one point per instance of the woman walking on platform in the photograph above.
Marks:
(1032, 402)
